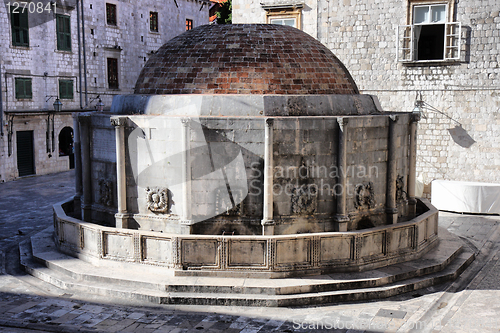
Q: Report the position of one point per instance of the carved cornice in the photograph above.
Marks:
(118, 121)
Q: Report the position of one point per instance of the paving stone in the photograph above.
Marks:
(483, 299)
(121, 325)
(165, 329)
(391, 313)
(135, 315)
(105, 324)
(23, 307)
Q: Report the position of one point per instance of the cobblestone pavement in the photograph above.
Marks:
(471, 304)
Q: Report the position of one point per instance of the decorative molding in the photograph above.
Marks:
(176, 258)
(316, 251)
(364, 195)
(416, 116)
(82, 240)
(106, 192)
(304, 202)
(271, 253)
(223, 252)
(79, 246)
(356, 247)
(118, 121)
(157, 199)
(137, 247)
(342, 122)
(100, 243)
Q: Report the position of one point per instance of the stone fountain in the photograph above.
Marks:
(247, 149)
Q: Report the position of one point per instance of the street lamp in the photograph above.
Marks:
(100, 105)
(419, 105)
(57, 105)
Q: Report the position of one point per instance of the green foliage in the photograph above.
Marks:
(225, 13)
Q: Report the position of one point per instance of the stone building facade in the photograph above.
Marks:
(40, 61)
(446, 51)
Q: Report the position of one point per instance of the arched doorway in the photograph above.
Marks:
(66, 145)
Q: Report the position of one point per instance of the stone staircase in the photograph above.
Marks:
(41, 259)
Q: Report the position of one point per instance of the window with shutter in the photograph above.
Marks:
(63, 28)
(23, 88)
(20, 28)
(110, 14)
(113, 73)
(153, 21)
(430, 34)
(284, 14)
(66, 89)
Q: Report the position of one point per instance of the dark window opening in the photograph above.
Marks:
(113, 73)
(20, 28)
(430, 42)
(189, 24)
(63, 28)
(66, 145)
(66, 89)
(153, 21)
(110, 14)
(23, 88)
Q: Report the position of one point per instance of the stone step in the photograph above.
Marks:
(448, 274)
(240, 299)
(151, 277)
(158, 285)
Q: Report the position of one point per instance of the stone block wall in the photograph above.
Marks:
(222, 152)
(458, 135)
(367, 157)
(131, 42)
(46, 161)
(102, 168)
(305, 173)
(225, 183)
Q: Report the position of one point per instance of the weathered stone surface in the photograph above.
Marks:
(458, 133)
(244, 59)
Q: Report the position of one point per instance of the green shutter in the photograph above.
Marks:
(62, 89)
(66, 89)
(63, 31)
(23, 88)
(18, 88)
(27, 88)
(20, 28)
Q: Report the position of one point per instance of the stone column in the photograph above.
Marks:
(390, 200)
(77, 201)
(85, 123)
(267, 218)
(186, 219)
(341, 218)
(121, 217)
(412, 177)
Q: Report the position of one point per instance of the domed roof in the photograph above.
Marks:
(244, 59)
